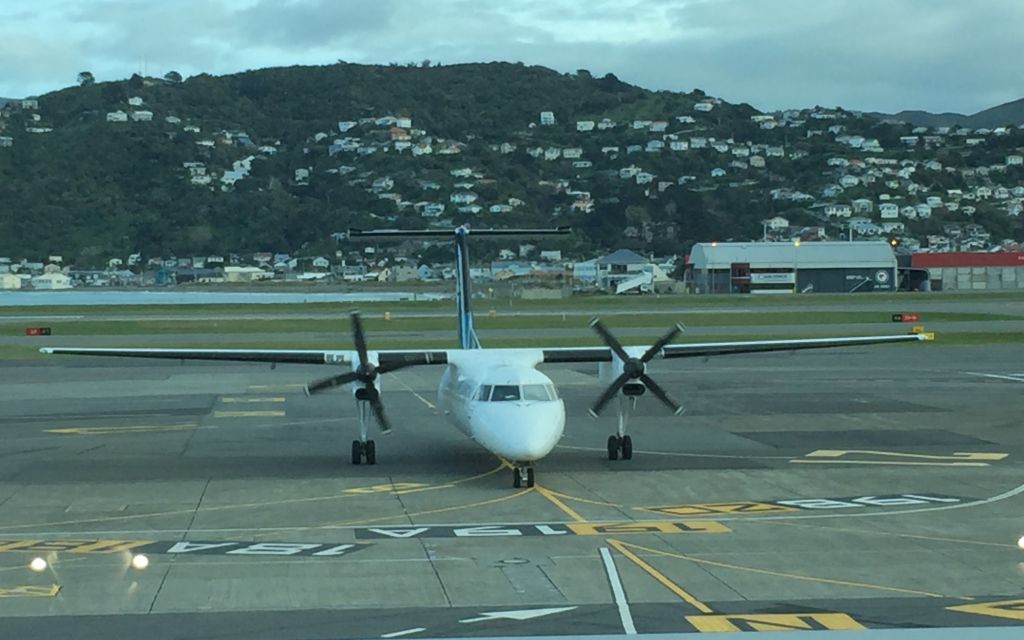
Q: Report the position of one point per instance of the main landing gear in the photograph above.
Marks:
(522, 474)
(620, 443)
(364, 449)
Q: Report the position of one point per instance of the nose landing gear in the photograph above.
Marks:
(522, 474)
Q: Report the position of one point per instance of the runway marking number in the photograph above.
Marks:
(73, 546)
(722, 507)
(1013, 609)
(552, 529)
(312, 549)
(773, 622)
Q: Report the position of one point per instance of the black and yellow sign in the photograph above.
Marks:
(800, 504)
(719, 508)
(30, 591)
(773, 622)
(1012, 609)
(647, 526)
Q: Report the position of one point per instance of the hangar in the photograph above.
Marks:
(789, 267)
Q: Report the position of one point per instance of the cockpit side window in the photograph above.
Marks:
(505, 393)
(484, 393)
(537, 393)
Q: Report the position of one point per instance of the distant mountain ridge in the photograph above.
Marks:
(1010, 113)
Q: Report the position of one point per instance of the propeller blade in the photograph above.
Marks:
(329, 383)
(378, 410)
(609, 339)
(660, 394)
(359, 338)
(608, 394)
(660, 344)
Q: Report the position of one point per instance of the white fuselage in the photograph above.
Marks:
(503, 403)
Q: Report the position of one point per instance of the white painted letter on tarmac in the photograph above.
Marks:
(401, 533)
(189, 547)
(335, 551)
(491, 530)
(274, 549)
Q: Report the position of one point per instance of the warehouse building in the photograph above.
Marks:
(788, 267)
(961, 270)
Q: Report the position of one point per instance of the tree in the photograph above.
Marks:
(85, 78)
(172, 77)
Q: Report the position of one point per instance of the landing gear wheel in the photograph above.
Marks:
(627, 448)
(613, 447)
(517, 478)
(370, 452)
(357, 452)
(529, 476)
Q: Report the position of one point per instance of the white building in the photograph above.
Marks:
(547, 118)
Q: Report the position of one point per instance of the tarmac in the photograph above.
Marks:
(869, 487)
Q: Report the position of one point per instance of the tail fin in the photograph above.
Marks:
(463, 295)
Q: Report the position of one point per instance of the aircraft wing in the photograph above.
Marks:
(705, 349)
(291, 356)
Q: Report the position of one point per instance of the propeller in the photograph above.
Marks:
(366, 373)
(634, 368)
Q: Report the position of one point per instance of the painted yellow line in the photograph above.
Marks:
(660, 577)
(584, 500)
(957, 456)
(99, 431)
(1012, 609)
(234, 399)
(413, 391)
(794, 576)
(248, 414)
(29, 591)
(891, 534)
(894, 462)
(566, 509)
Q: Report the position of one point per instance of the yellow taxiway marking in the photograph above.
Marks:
(1013, 609)
(236, 399)
(397, 516)
(621, 547)
(794, 576)
(99, 431)
(891, 534)
(276, 413)
(30, 591)
(772, 622)
(391, 487)
(958, 459)
(584, 500)
(718, 508)
(566, 509)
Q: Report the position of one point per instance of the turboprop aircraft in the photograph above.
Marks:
(497, 397)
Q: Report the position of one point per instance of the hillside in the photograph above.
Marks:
(1010, 113)
(280, 159)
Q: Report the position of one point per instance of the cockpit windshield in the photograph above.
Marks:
(511, 393)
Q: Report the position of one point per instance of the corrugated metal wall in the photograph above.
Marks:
(977, 278)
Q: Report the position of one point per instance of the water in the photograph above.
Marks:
(73, 297)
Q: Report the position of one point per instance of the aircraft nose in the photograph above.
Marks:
(523, 433)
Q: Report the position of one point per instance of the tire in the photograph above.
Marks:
(627, 448)
(370, 451)
(357, 452)
(613, 447)
(529, 477)
(517, 478)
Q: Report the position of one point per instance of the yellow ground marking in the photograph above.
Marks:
(249, 505)
(236, 399)
(458, 507)
(72, 546)
(272, 388)
(391, 487)
(566, 509)
(718, 508)
(794, 576)
(892, 534)
(249, 414)
(958, 459)
(584, 500)
(1013, 609)
(413, 391)
(646, 526)
(660, 577)
(773, 622)
(103, 431)
(29, 591)
(679, 454)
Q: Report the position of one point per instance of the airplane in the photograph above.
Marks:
(497, 397)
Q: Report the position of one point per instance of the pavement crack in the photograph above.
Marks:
(427, 551)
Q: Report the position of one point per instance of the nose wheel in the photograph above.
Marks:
(620, 445)
(522, 475)
(364, 451)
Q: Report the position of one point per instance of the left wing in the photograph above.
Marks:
(292, 356)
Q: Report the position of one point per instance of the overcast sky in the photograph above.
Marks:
(886, 55)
